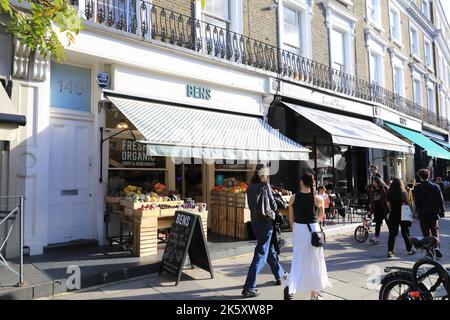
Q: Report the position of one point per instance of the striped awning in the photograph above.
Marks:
(184, 132)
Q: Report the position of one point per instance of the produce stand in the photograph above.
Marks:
(230, 214)
(144, 220)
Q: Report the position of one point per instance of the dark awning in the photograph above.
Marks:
(14, 119)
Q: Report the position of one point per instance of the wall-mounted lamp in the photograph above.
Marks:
(122, 125)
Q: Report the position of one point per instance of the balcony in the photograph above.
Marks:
(167, 26)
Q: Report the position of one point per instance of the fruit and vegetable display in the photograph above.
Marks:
(232, 185)
(159, 193)
(283, 192)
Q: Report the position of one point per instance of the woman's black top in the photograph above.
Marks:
(304, 209)
(396, 206)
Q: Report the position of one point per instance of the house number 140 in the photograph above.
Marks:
(71, 87)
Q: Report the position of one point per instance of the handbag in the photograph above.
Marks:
(406, 213)
(317, 237)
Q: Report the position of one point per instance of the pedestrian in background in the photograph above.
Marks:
(262, 207)
(397, 196)
(441, 185)
(308, 269)
(326, 203)
(378, 206)
(374, 171)
(430, 205)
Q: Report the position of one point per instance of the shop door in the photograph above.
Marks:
(189, 180)
(70, 181)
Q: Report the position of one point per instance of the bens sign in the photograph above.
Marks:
(198, 92)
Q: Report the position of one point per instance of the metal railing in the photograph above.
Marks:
(154, 22)
(9, 218)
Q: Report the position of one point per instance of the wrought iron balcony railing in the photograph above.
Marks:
(154, 22)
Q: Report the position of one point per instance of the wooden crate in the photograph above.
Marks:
(130, 204)
(143, 213)
(242, 233)
(145, 236)
(231, 212)
(243, 215)
(168, 212)
(109, 199)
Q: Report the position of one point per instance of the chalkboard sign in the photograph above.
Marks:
(186, 237)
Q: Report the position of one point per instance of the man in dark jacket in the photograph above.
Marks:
(262, 206)
(430, 205)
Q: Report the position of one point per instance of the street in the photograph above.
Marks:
(353, 270)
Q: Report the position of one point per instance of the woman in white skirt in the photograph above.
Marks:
(308, 269)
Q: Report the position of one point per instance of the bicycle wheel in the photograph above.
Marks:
(432, 275)
(361, 234)
(399, 286)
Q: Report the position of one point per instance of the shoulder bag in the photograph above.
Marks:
(317, 237)
(406, 213)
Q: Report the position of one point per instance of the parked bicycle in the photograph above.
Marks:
(426, 280)
(362, 231)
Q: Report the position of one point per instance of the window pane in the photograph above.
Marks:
(291, 28)
(337, 43)
(218, 8)
(417, 92)
(430, 96)
(216, 22)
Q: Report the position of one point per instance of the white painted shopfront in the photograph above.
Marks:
(57, 155)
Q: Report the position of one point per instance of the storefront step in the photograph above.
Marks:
(70, 245)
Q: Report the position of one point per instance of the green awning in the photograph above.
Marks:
(432, 148)
(446, 145)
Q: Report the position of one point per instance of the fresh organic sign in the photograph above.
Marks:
(132, 154)
(198, 92)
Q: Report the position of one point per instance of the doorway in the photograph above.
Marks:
(189, 178)
(71, 214)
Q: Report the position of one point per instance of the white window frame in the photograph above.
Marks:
(341, 20)
(377, 24)
(447, 107)
(235, 11)
(416, 30)
(428, 58)
(443, 105)
(416, 77)
(379, 72)
(376, 46)
(398, 60)
(395, 38)
(305, 11)
(431, 87)
(428, 8)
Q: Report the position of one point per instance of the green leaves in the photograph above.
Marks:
(36, 29)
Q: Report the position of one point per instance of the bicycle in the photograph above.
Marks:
(362, 232)
(426, 280)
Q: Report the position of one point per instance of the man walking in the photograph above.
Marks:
(430, 205)
(262, 206)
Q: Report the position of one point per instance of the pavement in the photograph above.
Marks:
(354, 270)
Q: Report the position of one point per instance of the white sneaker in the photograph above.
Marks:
(319, 297)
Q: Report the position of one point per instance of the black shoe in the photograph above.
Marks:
(287, 295)
(438, 253)
(250, 293)
(278, 281)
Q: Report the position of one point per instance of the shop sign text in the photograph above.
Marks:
(198, 92)
(132, 154)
